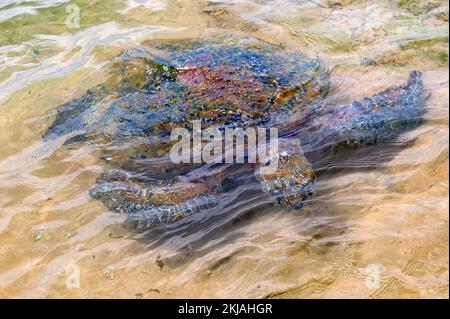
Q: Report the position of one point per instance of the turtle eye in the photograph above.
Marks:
(284, 157)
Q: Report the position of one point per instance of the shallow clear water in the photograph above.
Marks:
(377, 227)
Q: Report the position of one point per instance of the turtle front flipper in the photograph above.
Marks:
(158, 203)
(369, 121)
(287, 174)
(167, 214)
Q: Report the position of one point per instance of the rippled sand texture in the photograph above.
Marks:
(378, 226)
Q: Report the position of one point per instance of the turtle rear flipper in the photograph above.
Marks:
(69, 117)
(133, 72)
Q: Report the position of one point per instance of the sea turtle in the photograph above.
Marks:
(151, 91)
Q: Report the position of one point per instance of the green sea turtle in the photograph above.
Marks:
(150, 92)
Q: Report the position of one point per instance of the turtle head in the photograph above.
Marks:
(288, 176)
